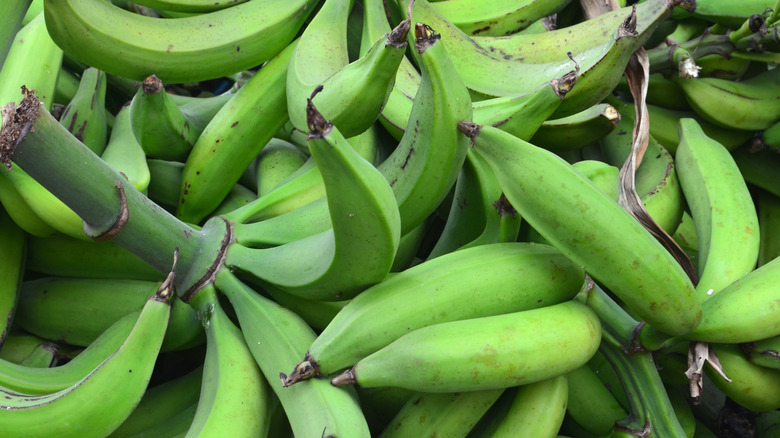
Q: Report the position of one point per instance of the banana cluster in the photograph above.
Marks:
(408, 218)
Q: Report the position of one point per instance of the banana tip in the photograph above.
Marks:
(348, 377)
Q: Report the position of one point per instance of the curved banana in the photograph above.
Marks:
(604, 175)
(14, 13)
(664, 128)
(77, 311)
(537, 409)
(479, 214)
(122, 43)
(21, 213)
(577, 130)
(18, 345)
(496, 18)
(752, 386)
(45, 355)
(424, 166)
(277, 338)
(277, 161)
(357, 251)
(552, 46)
(577, 231)
(519, 277)
(118, 383)
(85, 114)
(729, 14)
(484, 353)
(13, 243)
(441, 414)
(601, 65)
(759, 168)
(353, 93)
(765, 352)
(164, 182)
(234, 394)
(125, 154)
(189, 5)
(64, 256)
(590, 404)
(722, 209)
(752, 104)
(233, 138)
(159, 125)
(769, 226)
(161, 402)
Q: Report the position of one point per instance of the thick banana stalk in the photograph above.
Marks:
(85, 114)
(118, 383)
(470, 283)
(722, 209)
(484, 353)
(591, 229)
(130, 45)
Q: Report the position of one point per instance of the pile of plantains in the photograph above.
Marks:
(395, 218)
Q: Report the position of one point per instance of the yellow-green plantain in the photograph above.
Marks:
(765, 352)
(589, 227)
(85, 114)
(278, 160)
(752, 386)
(120, 42)
(722, 209)
(590, 403)
(125, 154)
(577, 130)
(475, 282)
(496, 18)
(484, 353)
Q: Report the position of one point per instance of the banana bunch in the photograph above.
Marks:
(389, 218)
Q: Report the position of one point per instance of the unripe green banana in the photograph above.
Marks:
(318, 314)
(722, 209)
(21, 213)
(744, 311)
(765, 352)
(578, 232)
(85, 114)
(45, 355)
(727, 13)
(752, 386)
(164, 182)
(117, 384)
(277, 161)
(13, 248)
(751, 104)
(64, 256)
(17, 345)
(484, 353)
(769, 225)
(577, 130)
(161, 402)
(604, 175)
(125, 154)
(768, 424)
(13, 13)
(277, 337)
(479, 214)
(356, 252)
(233, 138)
(664, 128)
(496, 18)
(77, 311)
(239, 196)
(443, 414)
(159, 126)
(454, 285)
(199, 6)
(537, 409)
(759, 168)
(233, 395)
(130, 45)
(590, 403)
